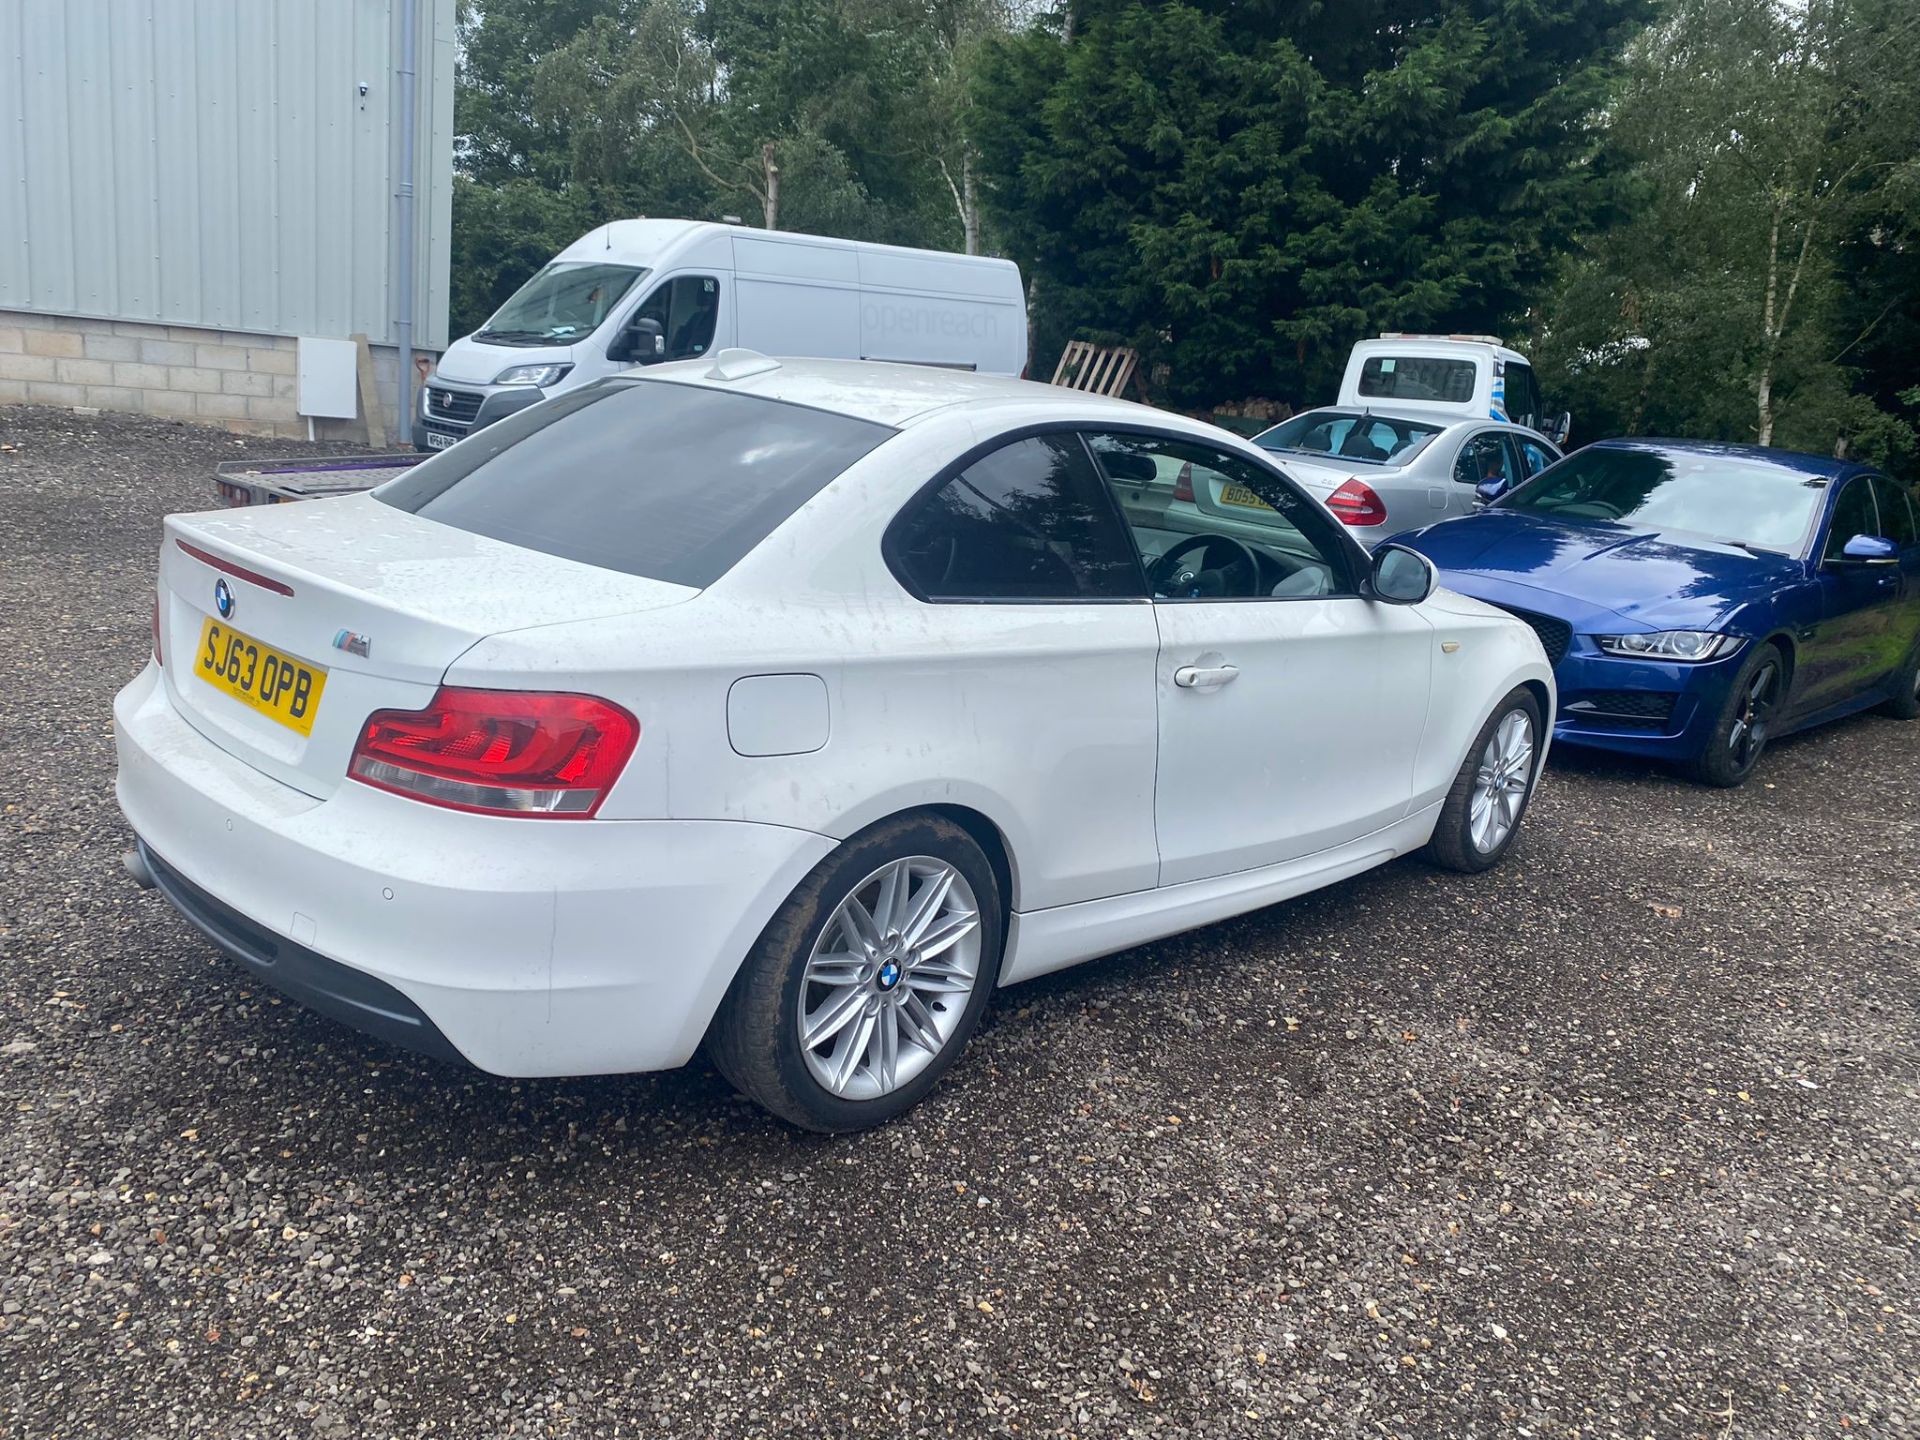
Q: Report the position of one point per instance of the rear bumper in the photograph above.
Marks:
(529, 947)
(337, 991)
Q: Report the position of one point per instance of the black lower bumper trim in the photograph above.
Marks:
(337, 991)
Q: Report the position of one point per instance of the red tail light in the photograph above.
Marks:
(499, 752)
(1356, 504)
(1183, 483)
(158, 658)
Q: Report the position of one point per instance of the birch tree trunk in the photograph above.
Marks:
(772, 203)
(1767, 331)
(969, 203)
(1774, 324)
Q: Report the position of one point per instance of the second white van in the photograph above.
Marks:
(635, 292)
(1472, 377)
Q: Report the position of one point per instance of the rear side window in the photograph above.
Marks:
(1485, 457)
(1408, 377)
(1029, 521)
(672, 482)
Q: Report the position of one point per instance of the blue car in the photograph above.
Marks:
(1697, 600)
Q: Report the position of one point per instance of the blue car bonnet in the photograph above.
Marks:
(1660, 580)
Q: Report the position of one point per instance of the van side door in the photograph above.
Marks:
(688, 310)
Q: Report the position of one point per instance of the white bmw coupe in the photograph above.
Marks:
(790, 707)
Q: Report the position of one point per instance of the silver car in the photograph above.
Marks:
(1382, 473)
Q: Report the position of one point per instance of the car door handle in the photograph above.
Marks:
(1204, 677)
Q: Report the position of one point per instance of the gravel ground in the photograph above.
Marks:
(1622, 1139)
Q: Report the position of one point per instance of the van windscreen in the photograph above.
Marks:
(1417, 377)
(564, 302)
(667, 481)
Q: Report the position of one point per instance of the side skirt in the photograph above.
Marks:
(1041, 941)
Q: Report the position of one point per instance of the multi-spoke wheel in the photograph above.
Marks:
(866, 984)
(889, 978)
(1746, 720)
(1501, 782)
(1482, 811)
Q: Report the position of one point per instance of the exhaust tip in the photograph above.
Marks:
(136, 866)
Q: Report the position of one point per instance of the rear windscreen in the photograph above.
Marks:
(671, 482)
(1412, 377)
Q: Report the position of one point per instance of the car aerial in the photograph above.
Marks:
(792, 706)
(1381, 472)
(1699, 600)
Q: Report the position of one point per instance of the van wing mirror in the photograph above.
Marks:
(1560, 427)
(642, 342)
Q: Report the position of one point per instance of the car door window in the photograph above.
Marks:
(1522, 398)
(1485, 457)
(1534, 456)
(687, 309)
(1853, 514)
(1897, 520)
(1028, 521)
(1211, 525)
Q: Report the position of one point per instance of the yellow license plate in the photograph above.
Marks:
(1241, 495)
(281, 689)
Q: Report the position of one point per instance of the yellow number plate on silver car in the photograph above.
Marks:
(1241, 495)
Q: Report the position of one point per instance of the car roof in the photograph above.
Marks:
(890, 394)
(1794, 460)
(1433, 419)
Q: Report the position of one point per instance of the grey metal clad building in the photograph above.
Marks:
(186, 186)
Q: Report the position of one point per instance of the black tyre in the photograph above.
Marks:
(867, 983)
(1904, 702)
(1745, 723)
(1483, 810)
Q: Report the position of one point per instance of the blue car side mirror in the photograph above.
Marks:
(1871, 549)
(1490, 490)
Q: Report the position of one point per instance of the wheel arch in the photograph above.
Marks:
(991, 840)
(1543, 696)
(1782, 641)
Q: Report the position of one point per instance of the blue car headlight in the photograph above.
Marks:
(1684, 645)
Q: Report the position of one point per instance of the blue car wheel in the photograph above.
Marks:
(1745, 722)
(1904, 703)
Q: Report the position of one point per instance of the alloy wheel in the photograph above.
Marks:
(1749, 733)
(1500, 782)
(888, 981)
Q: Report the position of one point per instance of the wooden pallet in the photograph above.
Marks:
(1099, 369)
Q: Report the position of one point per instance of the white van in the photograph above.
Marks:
(634, 292)
(1460, 376)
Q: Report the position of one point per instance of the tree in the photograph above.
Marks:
(1241, 190)
(841, 117)
(1772, 234)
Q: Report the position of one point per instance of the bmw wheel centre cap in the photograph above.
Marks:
(223, 599)
(889, 975)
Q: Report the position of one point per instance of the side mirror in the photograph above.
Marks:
(643, 342)
(503, 403)
(1401, 576)
(1491, 490)
(1870, 550)
(1559, 428)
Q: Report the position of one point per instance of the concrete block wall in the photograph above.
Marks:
(241, 382)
